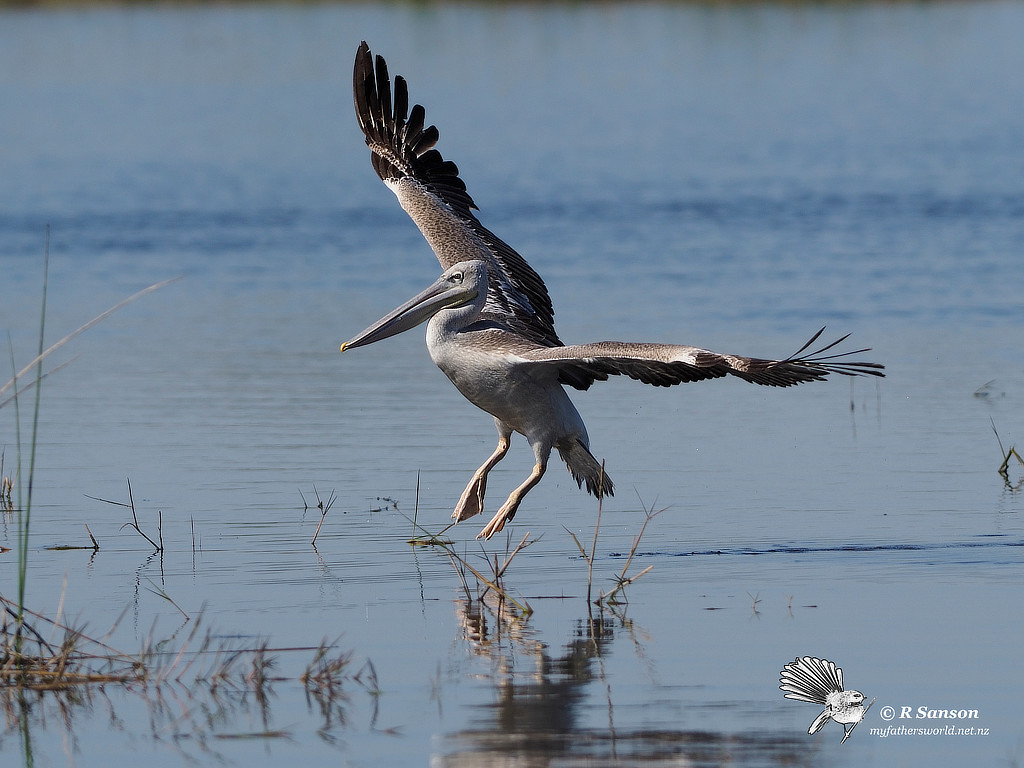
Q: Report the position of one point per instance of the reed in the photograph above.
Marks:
(12, 383)
(162, 594)
(158, 544)
(491, 578)
(323, 506)
(25, 513)
(621, 580)
(1004, 468)
(493, 582)
(192, 688)
(427, 539)
(7, 483)
(325, 675)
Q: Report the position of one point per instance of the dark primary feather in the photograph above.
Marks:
(664, 365)
(402, 148)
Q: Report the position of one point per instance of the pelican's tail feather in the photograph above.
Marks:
(586, 469)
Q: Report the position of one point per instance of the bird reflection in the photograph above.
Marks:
(552, 706)
(537, 693)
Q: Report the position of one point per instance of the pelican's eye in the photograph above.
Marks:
(456, 277)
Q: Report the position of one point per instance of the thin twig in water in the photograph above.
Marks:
(322, 505)
(1004, 468)
(372, 685)
(622, 581)
(416, 505)
(593, 545)
(500, 571)
(160, 592)
(428, 539)
(621, 584)
(523, 606)
(135, 519)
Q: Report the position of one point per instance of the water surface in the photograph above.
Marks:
(734, 177)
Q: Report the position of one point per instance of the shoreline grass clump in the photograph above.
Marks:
(192, 690)
(23, 508)
(26, 656)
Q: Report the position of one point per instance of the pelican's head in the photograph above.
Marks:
(459, 286)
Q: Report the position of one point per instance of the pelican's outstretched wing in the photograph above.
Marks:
(431, 192)
(811, 679)
(665, 364)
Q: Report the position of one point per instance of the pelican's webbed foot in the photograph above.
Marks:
(503, 516)
(508, 509)
(472, 500)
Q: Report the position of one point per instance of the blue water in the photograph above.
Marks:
(729, 176)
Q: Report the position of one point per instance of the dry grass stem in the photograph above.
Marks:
(428, 539)
(499, 571)
(1004, 468)
(323, 506)
(484, 580)
(158, 545)
(81, 329)
(160, 592)
(457, 564)
(621, 580)
(461, 565)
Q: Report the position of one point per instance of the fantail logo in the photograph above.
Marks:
(820, 681)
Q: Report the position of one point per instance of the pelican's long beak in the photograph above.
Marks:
(441, 295)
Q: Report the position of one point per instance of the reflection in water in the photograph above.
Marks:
(193, 694)
(541, 710)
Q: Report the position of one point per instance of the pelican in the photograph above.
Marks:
(490, 323)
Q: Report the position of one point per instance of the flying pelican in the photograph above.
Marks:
(490, 323)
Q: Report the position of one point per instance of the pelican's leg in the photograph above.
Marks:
(508, 509)
(472, 500)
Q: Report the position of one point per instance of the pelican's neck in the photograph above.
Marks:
(444, 328)
(446, 324)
